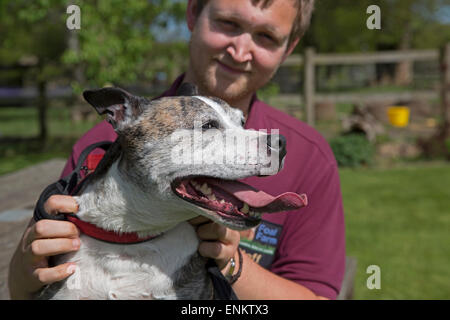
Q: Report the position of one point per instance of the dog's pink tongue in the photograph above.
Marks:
(259, 199)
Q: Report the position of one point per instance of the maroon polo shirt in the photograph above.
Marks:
(307, 245)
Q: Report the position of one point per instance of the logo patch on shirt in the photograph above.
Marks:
(260, 243)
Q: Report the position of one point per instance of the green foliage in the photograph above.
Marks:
(447, 144)
(352, 150)
(340, 26)
(268, 91)
(115, 45)
(19, 126)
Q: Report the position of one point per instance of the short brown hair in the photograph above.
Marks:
(301, 24)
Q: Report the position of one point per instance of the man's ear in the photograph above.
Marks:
(191, 14)
(291, 48)
(119, 105)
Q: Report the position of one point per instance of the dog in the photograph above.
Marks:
(141, 186)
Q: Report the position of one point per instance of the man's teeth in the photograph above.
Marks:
(245, 208)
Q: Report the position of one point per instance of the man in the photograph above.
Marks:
(235, 48)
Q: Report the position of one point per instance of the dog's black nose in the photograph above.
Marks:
(281, 148)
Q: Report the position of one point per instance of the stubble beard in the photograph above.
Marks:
(206, 75)
(210, 82)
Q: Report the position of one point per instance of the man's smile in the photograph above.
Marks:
(233, 70)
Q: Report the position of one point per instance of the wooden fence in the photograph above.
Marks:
(311, 59)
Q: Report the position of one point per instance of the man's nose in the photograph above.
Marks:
(240, 48)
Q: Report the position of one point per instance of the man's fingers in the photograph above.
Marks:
(215, 250)
(60, 204)
(48, 229)
(50, 275)
(213, 231)
(198, 220)
(51, 247)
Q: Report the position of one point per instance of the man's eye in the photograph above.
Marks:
(267, 37)
(228, 24)
(210, 125)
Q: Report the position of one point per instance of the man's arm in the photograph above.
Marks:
(258, 283)
(255, 282)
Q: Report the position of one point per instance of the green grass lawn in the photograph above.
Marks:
(399, 220)
(19, 126)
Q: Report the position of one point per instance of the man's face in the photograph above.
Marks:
(236, 47)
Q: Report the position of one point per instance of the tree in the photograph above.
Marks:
(29, 31)
(340, 26)
(115, 44)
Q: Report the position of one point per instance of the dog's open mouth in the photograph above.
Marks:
(234, 200)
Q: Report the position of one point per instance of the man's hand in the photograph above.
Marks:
(218, 242)
(29, 270)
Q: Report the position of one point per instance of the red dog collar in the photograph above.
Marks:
(106, 235)
(70, 185)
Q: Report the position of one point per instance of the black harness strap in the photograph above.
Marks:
(66, 185)
(71, 183)
(222, 288)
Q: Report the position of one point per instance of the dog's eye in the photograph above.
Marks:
(210, 124)
(243, 122)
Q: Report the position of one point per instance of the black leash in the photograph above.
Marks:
(66, 185)
(71, 184)
(222, 288)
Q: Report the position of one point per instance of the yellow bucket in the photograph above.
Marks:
(398, 116)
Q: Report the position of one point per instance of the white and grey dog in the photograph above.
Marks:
(142, 186)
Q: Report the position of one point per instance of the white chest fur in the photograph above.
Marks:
(138, 271)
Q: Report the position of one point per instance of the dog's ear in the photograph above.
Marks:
(119, 105)
(187, 89)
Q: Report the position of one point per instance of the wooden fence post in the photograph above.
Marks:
(445, 87)
(308, 85)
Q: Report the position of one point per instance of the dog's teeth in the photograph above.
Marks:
(222, 201)
(245, 208)
(212, 197)
(254, 214)
(206, 189)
